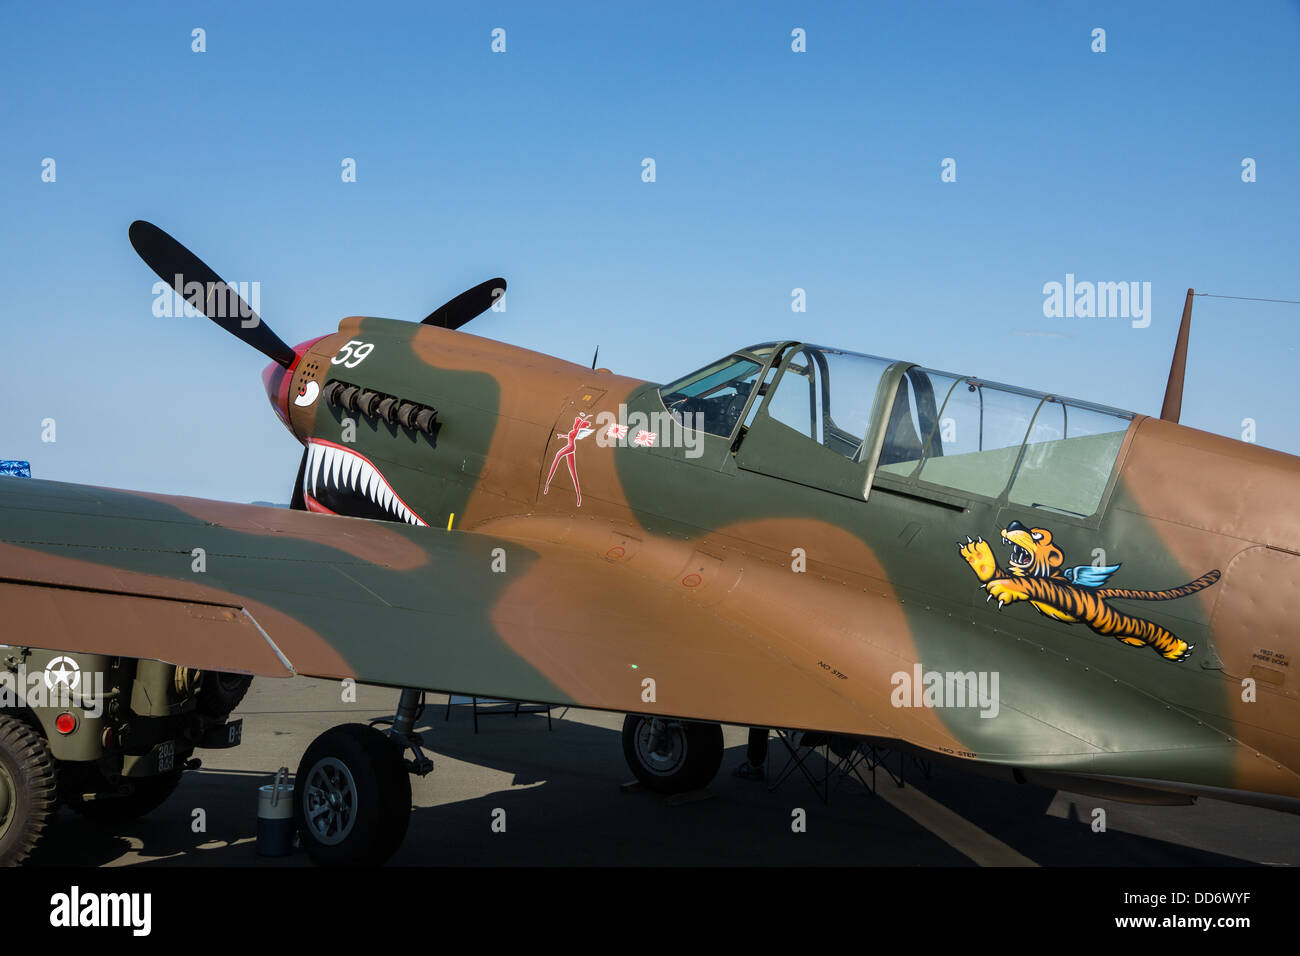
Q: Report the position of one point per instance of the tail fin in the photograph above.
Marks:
(1200, 584)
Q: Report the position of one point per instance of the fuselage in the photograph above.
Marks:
(859, 580)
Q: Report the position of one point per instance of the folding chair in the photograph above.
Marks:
(801, 746)
(873, 757)
(496, 711)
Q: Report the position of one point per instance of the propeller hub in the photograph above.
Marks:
(277, 380)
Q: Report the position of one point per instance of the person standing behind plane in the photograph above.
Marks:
(755, 755)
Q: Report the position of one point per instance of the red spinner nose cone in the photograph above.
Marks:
(277, 379)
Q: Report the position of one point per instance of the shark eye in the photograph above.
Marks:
(1036, 536)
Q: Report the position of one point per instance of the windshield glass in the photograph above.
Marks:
(714, 397)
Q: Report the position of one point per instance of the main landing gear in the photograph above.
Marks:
(352, 794)
(672, 756)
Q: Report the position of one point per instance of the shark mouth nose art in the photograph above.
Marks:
(338, 480)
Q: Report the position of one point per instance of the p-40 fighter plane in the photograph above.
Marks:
(793, 536)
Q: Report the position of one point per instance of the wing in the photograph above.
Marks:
(276, 592)
(1088, 576)
(558, 610)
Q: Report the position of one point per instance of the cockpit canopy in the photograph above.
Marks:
(784, 406)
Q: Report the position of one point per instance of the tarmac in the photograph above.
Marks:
(565, 803)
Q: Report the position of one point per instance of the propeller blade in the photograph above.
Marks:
(296, 500)
(202, 288)
(472, 302)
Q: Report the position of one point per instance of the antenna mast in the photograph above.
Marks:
(1173, 405)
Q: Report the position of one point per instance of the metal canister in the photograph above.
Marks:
(275, 825)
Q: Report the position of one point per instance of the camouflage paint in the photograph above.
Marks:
(680, 569)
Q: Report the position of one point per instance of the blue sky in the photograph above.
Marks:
(775, 170)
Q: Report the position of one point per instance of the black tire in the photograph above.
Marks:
(681, 756)
(28, 790)
(363, 772)
(147, 795)
(220, 692)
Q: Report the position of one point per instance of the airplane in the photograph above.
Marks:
(792, 536)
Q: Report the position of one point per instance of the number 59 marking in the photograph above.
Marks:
(350, 357)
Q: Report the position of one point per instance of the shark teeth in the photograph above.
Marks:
(332, 467)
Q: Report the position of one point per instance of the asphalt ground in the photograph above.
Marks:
(561, 790)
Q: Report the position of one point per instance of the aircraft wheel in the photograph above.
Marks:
(28, 790)
(352, 797)
(672, 756)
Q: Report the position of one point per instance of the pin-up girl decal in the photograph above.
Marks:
(581, 429)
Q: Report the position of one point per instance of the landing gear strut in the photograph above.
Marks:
(352, 793)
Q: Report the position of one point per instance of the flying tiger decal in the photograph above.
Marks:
(1075, 594)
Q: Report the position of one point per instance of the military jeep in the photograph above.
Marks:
(108, 737)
